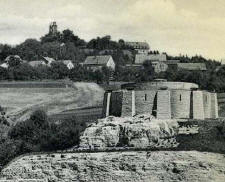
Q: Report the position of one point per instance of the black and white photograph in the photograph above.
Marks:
(112, 91)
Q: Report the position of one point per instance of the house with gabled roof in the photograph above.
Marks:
(98, 62)
(36, 63)
(47, 61)
(141, 58)
(140, 47)
(192, 66)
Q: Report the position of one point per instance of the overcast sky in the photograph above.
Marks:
(174, 26)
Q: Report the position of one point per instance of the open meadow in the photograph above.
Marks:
(20, 102)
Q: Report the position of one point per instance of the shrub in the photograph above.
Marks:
(38, 133)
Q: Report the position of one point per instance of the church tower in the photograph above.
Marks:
(53, 28)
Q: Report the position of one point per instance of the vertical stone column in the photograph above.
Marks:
(207, 104)
(163, 104)
(127, 103)
(198, 108)
(108, 103)
(214, 106)
(133, 103)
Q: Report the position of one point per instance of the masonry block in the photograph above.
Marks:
(180, 103)
(163, 104)
(214, 106)
(198, 108)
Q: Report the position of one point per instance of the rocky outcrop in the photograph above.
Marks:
(117, 166)
(142, 131)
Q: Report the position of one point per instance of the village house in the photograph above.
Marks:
(191, 66)
(43, 61)
(69, 64)
(159, 66)
(36, 63)
(140, 47)
(141, 58)
(98, 62)
(172, 64)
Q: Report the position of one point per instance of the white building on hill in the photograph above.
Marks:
(140, 47)
(98, 62)
(141, 58)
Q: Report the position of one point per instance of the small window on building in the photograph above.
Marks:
(145, 97)
(180, 97)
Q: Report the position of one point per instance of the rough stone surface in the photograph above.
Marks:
(144, 101)
(198, 108)
(180, 103)
(140, 132)
(117, 166)
(163, 101)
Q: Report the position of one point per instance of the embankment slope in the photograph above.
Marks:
(118, 166)
(142, 132)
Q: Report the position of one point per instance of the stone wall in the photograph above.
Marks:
(163, 104)
(198, 108)
(144, 101)
(104, 105)
(126, 103)
(207, 104)
(116, 103)
(180, 103)
(214, 104)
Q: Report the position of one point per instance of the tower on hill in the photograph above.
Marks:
(53, 28)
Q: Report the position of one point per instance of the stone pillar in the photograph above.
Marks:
(214, 106)
(108, 103)
(198, 108)
(133, 103)
(207, 104)
(163, 104)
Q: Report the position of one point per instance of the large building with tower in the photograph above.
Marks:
(162, 99)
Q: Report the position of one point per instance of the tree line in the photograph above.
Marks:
(66, 45)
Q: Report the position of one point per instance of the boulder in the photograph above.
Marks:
(141, 131)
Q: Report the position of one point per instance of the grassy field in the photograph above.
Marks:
(20, 102)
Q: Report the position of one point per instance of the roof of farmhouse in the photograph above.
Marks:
(192, 66)
(172, 61)
(99, 60)
(49, 59)
(35, 63)
(141, 58)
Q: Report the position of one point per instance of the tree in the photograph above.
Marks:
(68, 36)
(3, 73)
(59, 70)
(29, 50)
(14, 61)
(51, 49)
(23, 72)
(51, 38)
(6, 50)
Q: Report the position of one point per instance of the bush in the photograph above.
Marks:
(38, 134)
(41, 135)
(63, 136)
